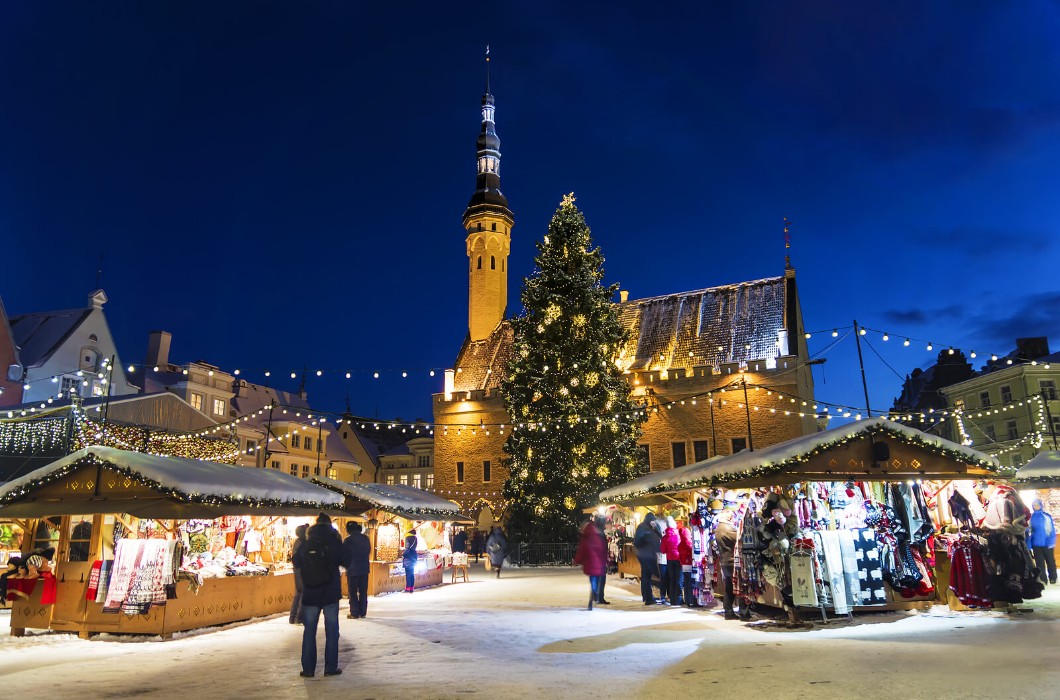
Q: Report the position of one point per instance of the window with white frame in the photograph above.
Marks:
(296, 440)
(252, 446)
(70, 386)
(990, 433)
(219, 407)
(294, 470)
(1010, 429)
(196, 401)
(984, 399)
(1006, 393)
(404, 480)
(1048, 387)
(275, 464)
(416, 480)
(309, 443)
(390, 479)
(429, 484)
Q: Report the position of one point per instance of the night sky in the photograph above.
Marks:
(280, 185)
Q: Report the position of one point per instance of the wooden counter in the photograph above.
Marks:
(218, 601)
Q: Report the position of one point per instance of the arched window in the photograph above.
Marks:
(493, 263)
(480, 262)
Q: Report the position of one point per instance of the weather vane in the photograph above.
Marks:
(787, 243)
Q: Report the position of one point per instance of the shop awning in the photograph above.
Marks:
(1042, 471)
(407, 502)
(107, 480)
(838, 453)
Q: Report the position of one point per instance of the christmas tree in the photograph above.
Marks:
(575, 423)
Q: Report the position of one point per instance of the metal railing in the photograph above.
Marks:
(541, 553)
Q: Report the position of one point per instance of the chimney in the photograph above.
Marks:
(623, 295)
(782, 341)
(158, 348)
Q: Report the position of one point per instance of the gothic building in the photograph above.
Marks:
(721, 369)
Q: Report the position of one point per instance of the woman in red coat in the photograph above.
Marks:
(669, 547)
(684, 549)
(592, 555)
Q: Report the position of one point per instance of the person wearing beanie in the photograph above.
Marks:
(323, 547)
(358, 551)
(409, 557)
(1041, 539)
(646, 541)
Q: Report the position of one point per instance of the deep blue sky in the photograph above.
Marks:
(281, 184)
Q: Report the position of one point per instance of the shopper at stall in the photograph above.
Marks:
(319, 559)
(646, 542)
(684, 550)
(592, 555)
(296, 602)
(460, 541)
(1041, 538)
(409, 557)
(670, 542)
(601, 523)
(358, 550)
(726, 537)
(496, 548)
(477, 544)
(660, 559)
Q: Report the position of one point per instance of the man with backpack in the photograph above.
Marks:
(319, 560)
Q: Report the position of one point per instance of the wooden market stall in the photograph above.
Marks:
(876, 453)
(390, 511)
(96, 491)
(1042, 475)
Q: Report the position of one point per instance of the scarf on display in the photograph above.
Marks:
(144, 576)
(22, 588)
(804, 579)
(831, 556)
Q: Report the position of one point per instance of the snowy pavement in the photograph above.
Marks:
(525, 635)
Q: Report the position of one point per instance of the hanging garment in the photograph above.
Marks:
(93, 580)
(104, 581)
(832, 573)
(127, 554)
(968, 573)
(803, 578)
(870, 567)
(851, 580)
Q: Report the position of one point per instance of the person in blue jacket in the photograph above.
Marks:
(323, 597)
(358, 549)
(409, 557)
(1041, 538)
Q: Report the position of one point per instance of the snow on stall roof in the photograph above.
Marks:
(711, 470)
(193, 478)
(1043, 468)
(392, 497)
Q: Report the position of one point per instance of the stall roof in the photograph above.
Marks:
(1043, 470)
(774, 459)
(169, 487)
(405, 501)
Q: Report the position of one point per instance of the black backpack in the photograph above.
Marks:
(317, 568)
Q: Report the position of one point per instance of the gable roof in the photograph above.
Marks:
(772, 461)
(39, 335)
(408, 502)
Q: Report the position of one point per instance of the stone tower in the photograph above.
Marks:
(488, 223)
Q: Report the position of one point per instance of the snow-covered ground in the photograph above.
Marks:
(526, 635)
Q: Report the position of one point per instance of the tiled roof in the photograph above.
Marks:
(38, 335)
(483, 364)
(706, 327)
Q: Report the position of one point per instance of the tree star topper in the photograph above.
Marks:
(568, 200)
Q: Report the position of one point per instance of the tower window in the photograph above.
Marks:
(502, 266)
(494, 226)
(493, 263)
(480, 262)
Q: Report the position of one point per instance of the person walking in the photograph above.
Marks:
(725, 537)
(319, 559)
(684, 550)
(646, 542)
(358, 549)
(296, 602)
(409, 557)
(496, 548)
(669, 545)
(476, 544)
(460, 541)
(601, 523)
(1041, 538)
(592, 555)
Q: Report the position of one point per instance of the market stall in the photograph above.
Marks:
(1040, 478)
(392, 510)
(153, 545)
(864, 516)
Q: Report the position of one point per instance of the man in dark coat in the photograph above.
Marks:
(726, 537)
(460, 541)
(296, 602)
(321, 598)
(358, 549)
(646, 544)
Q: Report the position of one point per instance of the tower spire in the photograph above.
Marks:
(487, 69)
(787, 244)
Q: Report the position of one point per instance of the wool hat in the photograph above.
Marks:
(670, 522)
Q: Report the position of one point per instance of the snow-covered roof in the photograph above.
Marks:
(189, 482)
(776, 458)
(406, 501)
(38, 335)
(729, 323)
(1044, 469)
